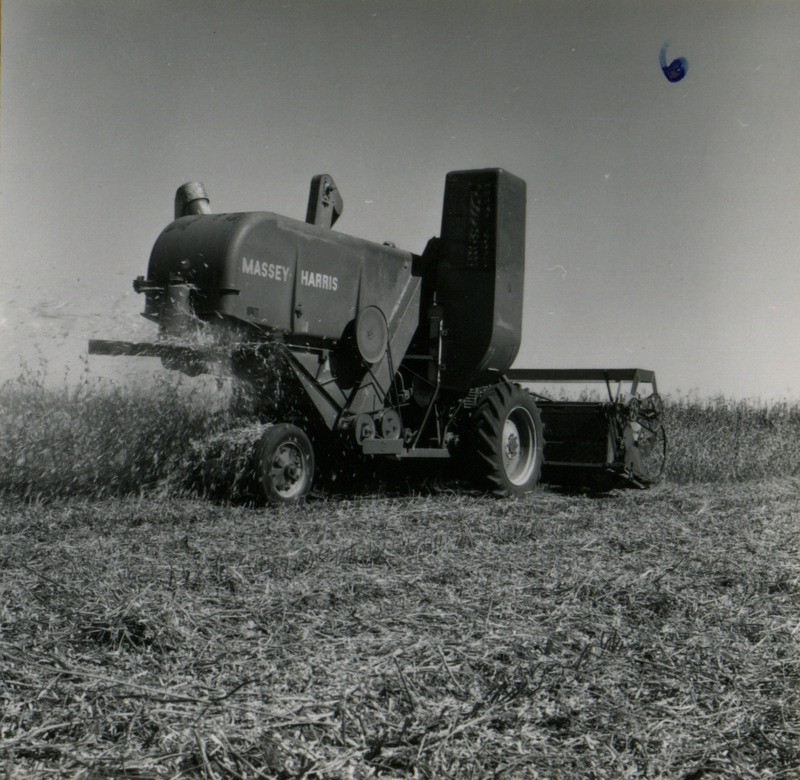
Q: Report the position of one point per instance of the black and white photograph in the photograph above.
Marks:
(399, 388)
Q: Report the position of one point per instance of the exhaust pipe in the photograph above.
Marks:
(191, 199)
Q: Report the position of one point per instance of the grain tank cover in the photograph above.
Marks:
(480, 273)
(279, 274)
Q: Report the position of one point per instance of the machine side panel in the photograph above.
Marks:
(278, 273)
(575, 433)
(196, 248)
(338, 276)
(326, 287)
(262, 265)
(480, 275)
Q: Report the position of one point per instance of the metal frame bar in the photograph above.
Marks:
(581, 375)
(635, 376)
(149, 349)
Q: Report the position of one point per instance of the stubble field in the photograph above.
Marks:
(419, 629)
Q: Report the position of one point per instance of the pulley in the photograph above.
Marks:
(372, 334)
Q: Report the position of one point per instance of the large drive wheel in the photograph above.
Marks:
(285, 463)
(508, 440)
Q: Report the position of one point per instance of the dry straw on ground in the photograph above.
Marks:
(637, 634)
(145, 633)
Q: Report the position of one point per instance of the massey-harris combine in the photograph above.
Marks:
(359, 347)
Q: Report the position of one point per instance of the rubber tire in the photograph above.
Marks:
(506, 414)
(285, 463)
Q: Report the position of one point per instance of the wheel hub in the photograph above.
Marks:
(510, 441)
(518, 446)
(287, 469)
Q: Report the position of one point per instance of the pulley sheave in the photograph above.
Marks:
(372, 334)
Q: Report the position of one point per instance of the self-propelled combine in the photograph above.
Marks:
(377, 351)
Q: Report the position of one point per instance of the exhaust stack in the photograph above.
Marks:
(191, 199)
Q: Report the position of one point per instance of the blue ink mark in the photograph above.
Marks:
(676, 70)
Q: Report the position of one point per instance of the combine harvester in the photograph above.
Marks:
(367, 349)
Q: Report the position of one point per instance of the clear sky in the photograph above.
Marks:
(662, 228)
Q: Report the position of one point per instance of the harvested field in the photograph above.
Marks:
(633, 634)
